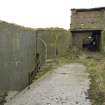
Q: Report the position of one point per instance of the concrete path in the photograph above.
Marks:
(66, 85)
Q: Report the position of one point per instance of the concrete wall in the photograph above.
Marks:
(102, 41)
(57, 41)
(18, 49)
(17, 55)
(92, 19)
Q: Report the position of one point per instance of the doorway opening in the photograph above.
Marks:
(92, 42)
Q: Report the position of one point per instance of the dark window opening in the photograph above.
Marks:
(92, 42)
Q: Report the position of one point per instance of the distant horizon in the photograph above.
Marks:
(43, 14)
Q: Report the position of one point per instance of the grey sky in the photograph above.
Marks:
(43, 13)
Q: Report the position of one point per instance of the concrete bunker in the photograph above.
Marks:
(88, 28)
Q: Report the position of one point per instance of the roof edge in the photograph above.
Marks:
(89, 9)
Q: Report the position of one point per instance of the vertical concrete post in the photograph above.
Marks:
(36, 41)
(102, 44)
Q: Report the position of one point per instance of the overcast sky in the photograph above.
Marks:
(42, 13)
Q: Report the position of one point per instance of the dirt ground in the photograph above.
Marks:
(66, 85)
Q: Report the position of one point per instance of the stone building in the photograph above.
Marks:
(88, 28)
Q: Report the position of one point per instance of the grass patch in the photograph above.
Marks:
(97, 87)
(96, 69)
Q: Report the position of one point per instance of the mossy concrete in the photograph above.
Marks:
(18, 49)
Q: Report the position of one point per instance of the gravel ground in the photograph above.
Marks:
(66, 85)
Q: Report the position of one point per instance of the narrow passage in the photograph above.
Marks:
(66, 85)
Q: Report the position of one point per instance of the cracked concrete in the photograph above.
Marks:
(66, 85)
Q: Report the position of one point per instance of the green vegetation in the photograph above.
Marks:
(96, 68)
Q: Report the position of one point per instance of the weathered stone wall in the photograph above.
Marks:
(92, 19)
